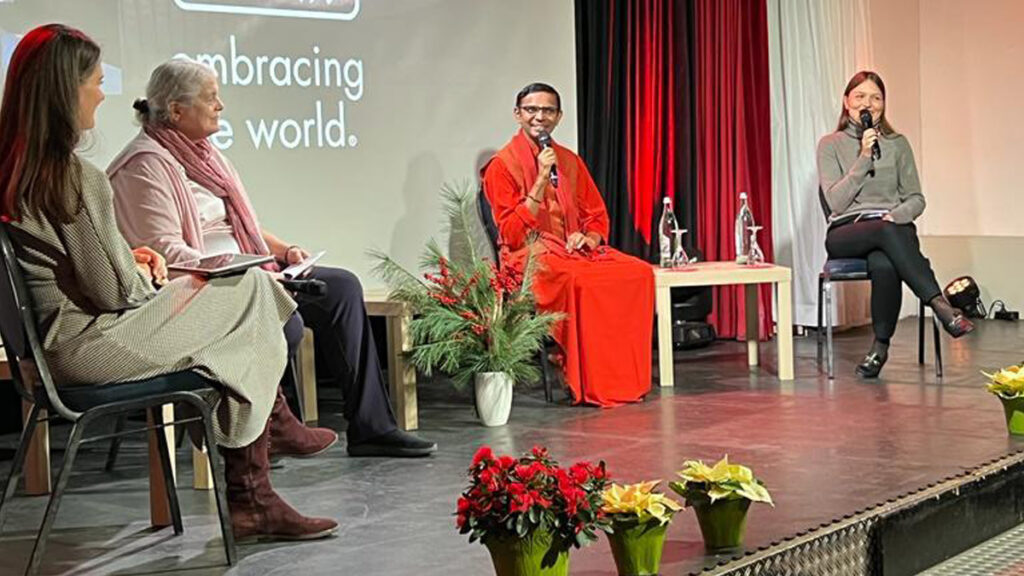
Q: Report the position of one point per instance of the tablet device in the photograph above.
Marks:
(220, 265)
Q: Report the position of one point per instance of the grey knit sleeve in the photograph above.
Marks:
(840, 188)
(908, 186)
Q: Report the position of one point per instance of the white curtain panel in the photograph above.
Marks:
(815, 47)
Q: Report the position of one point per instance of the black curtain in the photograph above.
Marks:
(628, 51)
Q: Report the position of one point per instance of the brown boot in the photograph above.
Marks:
(290, 437)
(257, 512)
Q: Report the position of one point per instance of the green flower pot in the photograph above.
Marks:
(723, 523)
(535, 555)
(1014, 409)
(637, 546)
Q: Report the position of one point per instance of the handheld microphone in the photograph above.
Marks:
(865, 122)
(544, 139)
(307, 287)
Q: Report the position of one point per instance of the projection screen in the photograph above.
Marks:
(344, 117)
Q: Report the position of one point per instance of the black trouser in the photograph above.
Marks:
(341, 326)
(894, 255)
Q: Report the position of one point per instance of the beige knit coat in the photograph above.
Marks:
(101, 321)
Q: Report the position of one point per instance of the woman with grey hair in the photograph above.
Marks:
(175, 192)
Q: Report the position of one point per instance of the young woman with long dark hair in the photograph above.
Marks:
(869, 179)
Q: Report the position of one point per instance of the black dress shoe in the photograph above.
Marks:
(958, 326)
(394, 444)
(871, 365)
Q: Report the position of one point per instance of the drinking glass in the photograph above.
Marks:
(679, 256)
(756, 255)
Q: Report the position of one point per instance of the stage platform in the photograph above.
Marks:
(826, 450)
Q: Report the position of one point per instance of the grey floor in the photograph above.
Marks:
(824, 449)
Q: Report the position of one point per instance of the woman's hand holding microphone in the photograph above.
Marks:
(867, 141)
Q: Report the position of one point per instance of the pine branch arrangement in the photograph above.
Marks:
(469, 317)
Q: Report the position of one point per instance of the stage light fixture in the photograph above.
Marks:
(964, 293)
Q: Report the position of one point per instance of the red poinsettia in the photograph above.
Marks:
(510, 496)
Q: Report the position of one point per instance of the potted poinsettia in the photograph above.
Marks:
(529, 511)
(473, 320)
(720, 495)
(1008, 385)
(639, 517)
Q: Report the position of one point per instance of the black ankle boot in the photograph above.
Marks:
(872, 364)
(952, 319)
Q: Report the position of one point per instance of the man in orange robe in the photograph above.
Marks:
(607, 297)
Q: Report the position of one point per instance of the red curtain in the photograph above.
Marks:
(635, 90)
(650, 103)
(733, 143)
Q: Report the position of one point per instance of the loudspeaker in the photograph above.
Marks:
(689, 335)
(690, 307)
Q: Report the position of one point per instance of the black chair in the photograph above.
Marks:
(491, 227)
(854, 270)
(83, 405)
(291, 380)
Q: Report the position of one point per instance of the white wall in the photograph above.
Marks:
(971, 84)
(897, 58)
(952, 70)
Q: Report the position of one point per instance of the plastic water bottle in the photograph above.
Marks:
(665, 229)
(744, 220)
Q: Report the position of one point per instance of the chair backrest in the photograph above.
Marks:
(824, 203)
(18, 329)
(841, 269)
(487, 217)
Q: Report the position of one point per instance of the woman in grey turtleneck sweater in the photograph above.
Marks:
(874, 200)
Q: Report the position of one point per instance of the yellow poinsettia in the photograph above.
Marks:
(721, 481)
(1007, 382)
(639, 499)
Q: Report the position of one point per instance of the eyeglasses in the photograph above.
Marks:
(535, 110)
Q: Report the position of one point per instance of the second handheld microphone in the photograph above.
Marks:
(866, 122)
(312, 287)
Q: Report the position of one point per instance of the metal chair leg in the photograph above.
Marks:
(218, 484)
(938, 346)
(817, 332)
(549, 396)
(293, 372)
(19, 462)
(829, 351)
(70, 452)
(115, 443)
(920, 332)
(168, 471)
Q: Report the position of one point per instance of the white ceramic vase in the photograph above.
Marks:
(493, 397)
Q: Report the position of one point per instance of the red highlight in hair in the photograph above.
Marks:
(12, 138)
(12, 150)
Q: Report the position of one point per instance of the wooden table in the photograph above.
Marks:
(36, 470)
(725, 273)
(401, 373)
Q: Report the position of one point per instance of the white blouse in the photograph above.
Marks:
(213, 216)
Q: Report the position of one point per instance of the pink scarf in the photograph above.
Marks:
(202, 167)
